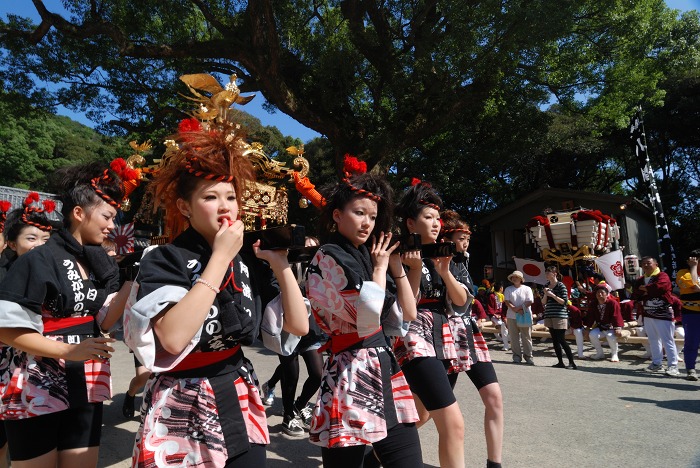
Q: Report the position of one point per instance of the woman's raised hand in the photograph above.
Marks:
(381, 251)
(442, 265)
(229, 239)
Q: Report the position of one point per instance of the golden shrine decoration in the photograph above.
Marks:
(266, 200)
(583, 253)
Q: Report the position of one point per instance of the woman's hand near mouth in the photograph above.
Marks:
(228, 241)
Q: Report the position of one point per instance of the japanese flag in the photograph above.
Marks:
(612, 267)
(532, 270)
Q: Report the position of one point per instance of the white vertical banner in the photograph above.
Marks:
(532, 270)
(611, 265)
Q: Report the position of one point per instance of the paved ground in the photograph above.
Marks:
(603, 415)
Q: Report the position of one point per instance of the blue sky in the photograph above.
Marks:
(286, 124)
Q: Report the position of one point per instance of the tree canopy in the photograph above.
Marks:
(488, 99)
(375, 78)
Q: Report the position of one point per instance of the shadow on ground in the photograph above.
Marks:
(685, 406)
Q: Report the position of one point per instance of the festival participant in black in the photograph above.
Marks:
(556, 316)
(297, 414)
(54, 305)
(359, 295)
(198, 301)
(24, 229)
(428, 352)
(482, 373)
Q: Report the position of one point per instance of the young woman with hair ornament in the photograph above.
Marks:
(54, 308)
(428, 351)
(359, 295)
(197, 300)
(468, 337)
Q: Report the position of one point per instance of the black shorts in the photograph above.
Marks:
(401, 447)
(137, 363)
(427, 377)
(256, 455)
(3, 434)
(70, 429)
(482, 374)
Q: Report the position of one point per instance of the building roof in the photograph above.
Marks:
(548, 192)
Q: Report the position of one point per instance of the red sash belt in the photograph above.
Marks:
(428, 301)
(196, 360)
(53, 324)
(338, 343)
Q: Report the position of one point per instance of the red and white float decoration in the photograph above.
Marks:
(576, 229)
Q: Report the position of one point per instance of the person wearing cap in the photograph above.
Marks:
(604, 319)
(519, 299)
(687, 280)
(653, 290)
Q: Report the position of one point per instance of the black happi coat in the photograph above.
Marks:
(45, 285)
(200, 406)
(237, 310)
(46, 280)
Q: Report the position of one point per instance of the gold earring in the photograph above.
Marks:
(334, 227)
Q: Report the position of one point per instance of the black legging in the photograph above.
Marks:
(255, 456)
(559, 340)
(400, 448)
(288, 373)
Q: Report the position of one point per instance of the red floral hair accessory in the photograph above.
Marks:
(32, 197)
(189, 125)
(125, 173)
(352, 167)
(416, 181)
(47, 206)
(5, 206)
(130, 177)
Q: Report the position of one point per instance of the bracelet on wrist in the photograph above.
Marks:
(207, 284)
(399, 277)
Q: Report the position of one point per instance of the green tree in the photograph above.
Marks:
(376, 78)
(36, 143)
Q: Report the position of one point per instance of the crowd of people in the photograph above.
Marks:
(592, 310)
(384, 329)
